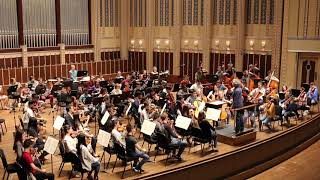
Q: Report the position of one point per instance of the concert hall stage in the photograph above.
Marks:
(241, 162)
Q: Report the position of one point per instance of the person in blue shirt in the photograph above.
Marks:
(238, 103)
(73, 73)
(313, 94)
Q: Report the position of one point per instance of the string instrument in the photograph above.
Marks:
(286, 102)
(273, 81)
(253, 77)
(255, 99)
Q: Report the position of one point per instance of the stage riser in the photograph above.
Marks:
(245, 158)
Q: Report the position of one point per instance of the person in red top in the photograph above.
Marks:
(27, 162)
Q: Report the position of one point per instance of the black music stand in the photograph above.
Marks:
(109, 88)
(82, 73)
(67, 83)
(104, 84)
(281, 96)
(118, 80)
(189, 85)
(88, 100)
(306, 86)
(95, 101)
(239, 74)
(74, 93)
(176, 87)
(295, 92)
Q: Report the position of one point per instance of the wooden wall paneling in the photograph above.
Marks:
(154, 59)
(227, 59)
(139, 61)
(99, 69)
(67, 58)
(42, 60)
(117, 64)
(25, 76)
(103, 67)
(42, 72)
(14, 62)
(94, 68)
(171, 63)
(195, 63)
(7, 63)
(112, 70)
(59, 70)
(121, 64)
(20, 63)
(268, 67)
(251, 61)
(49, 60)
(30, 72)
(47, 72)
(57, 59)
(262, 65)
(144, 61)
(2, 64)
(108, 67)
(182, 69)
(256, 59)
(53, 71)
(88, 67)
(12, 73)
(233, 59)
(102, 54)
(216, 61)
(125, 66)
(19, 74)
(129, 62)
(6, 76)
(35, 72)
(200, 59)
(211, 65)
(91, 57)
(1, 77)
(64, 71)
(107, 55)
(86, 57)
(78, 58)
(245, 62)
(161, 61)
(190, 64)
(72, 58)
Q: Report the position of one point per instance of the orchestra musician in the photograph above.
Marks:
(4, 100)
(154, 71)
(268, 112)
(313, 94)
(256, 95)
(73, 73)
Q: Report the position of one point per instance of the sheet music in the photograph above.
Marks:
(217, 103)
(51, 145)
(183, 122)
(213, 114)
(105, 118)
(201, 106)
(58, 123)
(127, 111)
(163, 108)
(103, 138)
(148, 127)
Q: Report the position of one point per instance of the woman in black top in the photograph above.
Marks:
(208, 131)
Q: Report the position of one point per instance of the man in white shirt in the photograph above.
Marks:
(197, 86)
(28, 113)
(116, 135)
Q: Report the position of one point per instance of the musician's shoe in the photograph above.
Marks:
(177, 157)
(135, 170)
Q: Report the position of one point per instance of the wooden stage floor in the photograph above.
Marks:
(150, 168)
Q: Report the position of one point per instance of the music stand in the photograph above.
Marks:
(11, 94)
(281, 96)
(103, 84)
(95, 101)
(149, 83)
(74, 93)
(67, 83)
(88, 100)
(306, 86)
(176, 87)
(239, 74)
(82, 73)
(295, 92)
(110, 88)
(118, 80)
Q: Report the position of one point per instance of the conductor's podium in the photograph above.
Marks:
(228, 136)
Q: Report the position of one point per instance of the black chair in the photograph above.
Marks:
(8, 168)
(278, 117)
(150, 142)
(122, 155)
(197, 136)
(63, 157)
(22, 173)
(164, 143)
(3, 123)
(22, 125)
(111, 151)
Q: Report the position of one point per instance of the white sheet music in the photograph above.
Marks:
(105, 118)
(183, 122)
(51, 145)
(58, 123)
(213, 114)
(201, 106)
(217, 103)
(148, 127)
(127, 111)
(163, 108)
(103, 138)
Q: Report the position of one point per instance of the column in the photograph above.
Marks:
(94, 29)
(124, 21)
(177, 36)
(241, 27)
(149, 33)
(206, 35)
